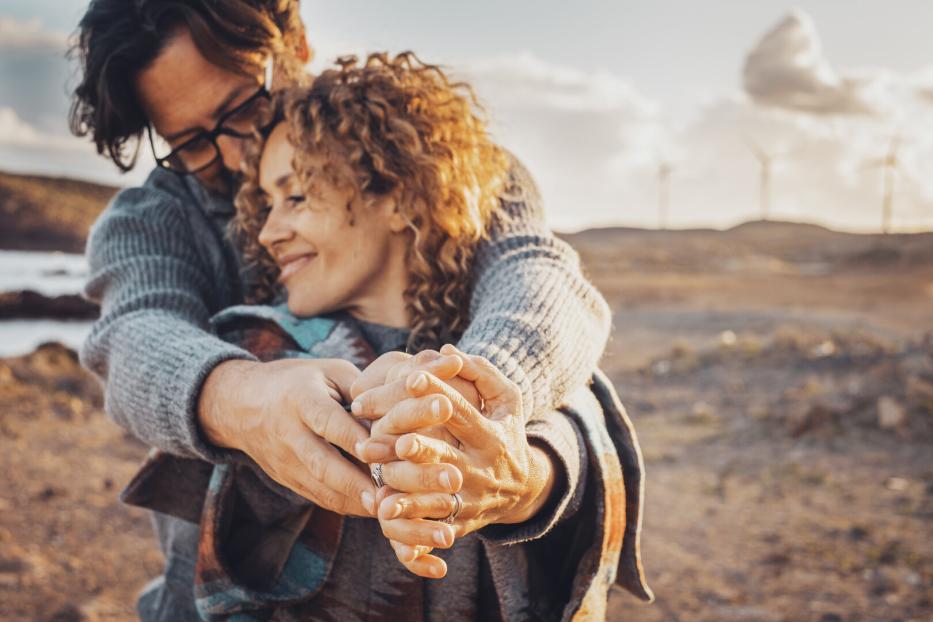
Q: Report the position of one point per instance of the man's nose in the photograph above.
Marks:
(231, 152)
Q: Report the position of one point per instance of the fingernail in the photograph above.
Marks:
(394, 511)
(445, 480)
(412, 554)
(437, 571)
(440, 538)
(408, 446)
(359, 447)
(420, 383)
(368, 500)
(356, 407)
(436, 407)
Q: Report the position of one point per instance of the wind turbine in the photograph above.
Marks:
(664, 192)
(766, 160)
(890, 164)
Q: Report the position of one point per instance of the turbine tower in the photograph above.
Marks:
(766, 160)
(890, 164)
(664, 192)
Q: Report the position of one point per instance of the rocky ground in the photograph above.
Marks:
(781, 380)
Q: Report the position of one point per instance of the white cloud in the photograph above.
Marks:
(788, 69)
(574, 129)
(16, 132)
(29, 35)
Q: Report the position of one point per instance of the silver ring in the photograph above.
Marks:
(459, 508)
(376, 471)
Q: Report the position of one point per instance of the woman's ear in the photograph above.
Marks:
(397, 223)
(388, 207)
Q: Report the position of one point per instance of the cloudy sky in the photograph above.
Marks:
(595, 96)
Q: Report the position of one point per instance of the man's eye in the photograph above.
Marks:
(295, 199)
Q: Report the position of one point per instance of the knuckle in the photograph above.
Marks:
(280, 428)
(316, 465)
(350, 488)
(427, 477)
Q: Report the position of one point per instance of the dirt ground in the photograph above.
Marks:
(781, 381)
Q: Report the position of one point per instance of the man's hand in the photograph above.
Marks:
(287, 416)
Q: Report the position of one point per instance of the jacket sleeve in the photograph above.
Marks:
(151, 346)
(533, 313)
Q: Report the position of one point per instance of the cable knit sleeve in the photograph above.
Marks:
(534, 314)
(151, 345)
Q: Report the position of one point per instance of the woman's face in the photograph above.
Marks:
(326, 262)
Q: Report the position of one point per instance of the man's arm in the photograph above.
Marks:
(155, 355)
(151, 346)
(533, 313)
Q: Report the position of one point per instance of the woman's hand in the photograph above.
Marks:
(504, 479)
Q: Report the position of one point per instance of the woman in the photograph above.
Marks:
(370, 193)
(368, 196)
(365, 201)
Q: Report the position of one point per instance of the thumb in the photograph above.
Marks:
(341, 374)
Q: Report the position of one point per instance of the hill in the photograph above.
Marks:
(48, 213)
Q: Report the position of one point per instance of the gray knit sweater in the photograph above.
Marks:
(162, 264)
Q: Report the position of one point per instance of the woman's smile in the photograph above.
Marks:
(292, 264)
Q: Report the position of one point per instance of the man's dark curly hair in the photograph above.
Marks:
(116, 39)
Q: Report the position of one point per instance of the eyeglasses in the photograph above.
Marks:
(201, 151)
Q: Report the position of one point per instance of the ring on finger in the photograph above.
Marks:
(458, 500)
(376, 471)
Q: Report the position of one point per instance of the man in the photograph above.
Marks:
(188, 75)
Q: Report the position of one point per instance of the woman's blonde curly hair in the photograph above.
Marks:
(392, 126)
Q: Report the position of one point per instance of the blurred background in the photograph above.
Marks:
(751, 187)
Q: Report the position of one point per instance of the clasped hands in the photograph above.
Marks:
(442, 423)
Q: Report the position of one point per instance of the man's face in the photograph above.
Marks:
(182, 94)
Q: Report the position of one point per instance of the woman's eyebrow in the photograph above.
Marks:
(284, 180)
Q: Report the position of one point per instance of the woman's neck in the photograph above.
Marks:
(383, 299)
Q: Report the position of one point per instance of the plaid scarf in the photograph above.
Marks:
(263, 547)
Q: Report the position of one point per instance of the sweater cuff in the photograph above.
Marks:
(560, 437)
(508, 365)
(186, 384)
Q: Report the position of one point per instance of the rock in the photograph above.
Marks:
(32, 305)
(68, 613)
(897, 484)
(702, 413)
(919, 389)
(806, 418)
(891, 415)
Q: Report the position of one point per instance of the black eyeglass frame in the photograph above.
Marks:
(211, 136)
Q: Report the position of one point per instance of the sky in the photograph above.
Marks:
(595, 96)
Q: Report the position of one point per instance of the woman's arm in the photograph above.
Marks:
(516, 480)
